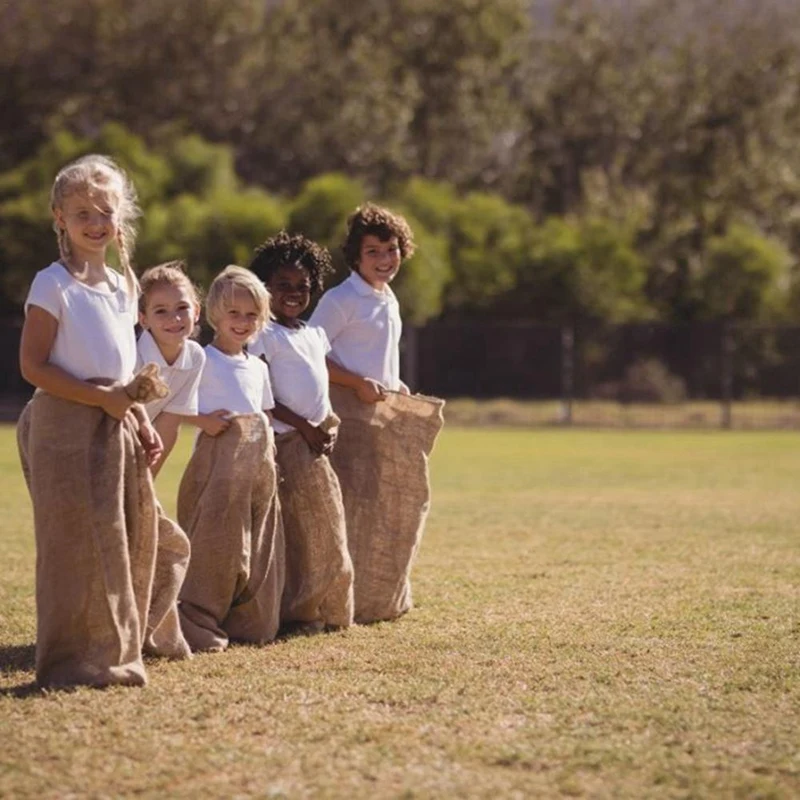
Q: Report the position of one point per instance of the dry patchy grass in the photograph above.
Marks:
(600, 614)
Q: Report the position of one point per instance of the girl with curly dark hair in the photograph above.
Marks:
(319, 574)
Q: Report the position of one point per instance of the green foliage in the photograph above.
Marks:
(488, 246)
(421, 282)
(580, 269)
(745, 276)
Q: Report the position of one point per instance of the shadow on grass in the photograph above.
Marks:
(18, 658)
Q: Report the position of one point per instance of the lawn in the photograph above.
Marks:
(600, 614)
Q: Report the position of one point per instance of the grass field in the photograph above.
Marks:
(599, 614)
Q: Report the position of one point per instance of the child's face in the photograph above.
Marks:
(379, 261)
(290, 287)
(238, 323)
(89, 219)
(170, 315)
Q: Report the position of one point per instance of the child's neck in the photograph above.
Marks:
(288, 322)
(228, 348)
(89, 272)
(169, 352)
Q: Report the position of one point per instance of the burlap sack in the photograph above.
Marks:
(381, 460)
(227, 504)
(95, 522)
(319, 572)
(164, 636)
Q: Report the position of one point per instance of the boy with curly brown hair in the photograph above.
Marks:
(361, 315)
(386, 434)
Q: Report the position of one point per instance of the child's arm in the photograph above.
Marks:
(149, 437)
(38, 337)
(167, 426)
(318, 440)
(212, 424)
(367, 390)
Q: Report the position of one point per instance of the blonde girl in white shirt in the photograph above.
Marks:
(227, 501)
(319, 572)
(84, 441)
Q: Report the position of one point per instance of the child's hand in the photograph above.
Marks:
(151, 442)
(215, 423)
(319, 442)
(115, 401)
(370, 391)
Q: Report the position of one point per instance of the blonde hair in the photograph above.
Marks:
(170, 273)
(220, 294)
(100, 174)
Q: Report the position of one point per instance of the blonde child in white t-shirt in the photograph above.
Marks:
(319, 572)
(386, 434)
(227, 501)
(84, 441)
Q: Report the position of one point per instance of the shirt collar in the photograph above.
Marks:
(150, 352)
(366, 290)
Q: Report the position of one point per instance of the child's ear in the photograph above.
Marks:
(196, 315)
(142, 321)
(58, 216)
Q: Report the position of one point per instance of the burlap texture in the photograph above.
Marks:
(319, 572)
(227, 504)
(95, 523)
(164, 636)
(381, 460)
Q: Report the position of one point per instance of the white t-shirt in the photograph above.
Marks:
(296, 358)
(182, 377)
(239, 384)
(363, 327)
(95, 337)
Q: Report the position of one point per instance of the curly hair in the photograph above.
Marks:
(285, 250)
(170, 273)
(372, 220)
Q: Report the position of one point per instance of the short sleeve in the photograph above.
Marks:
(323, 339)
(268, 401)
(329, 316)
(46, 293)
(184, 402)
(263, 346)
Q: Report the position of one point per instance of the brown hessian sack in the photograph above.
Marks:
(228, 506)
(164, 636)
(319, 572)
(381, 460)
(94, 512)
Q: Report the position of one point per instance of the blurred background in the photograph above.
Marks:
(605, 195)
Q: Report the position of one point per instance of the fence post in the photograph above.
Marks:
(726, 376)
(567, 373)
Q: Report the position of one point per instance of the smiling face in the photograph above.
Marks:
(238, 322)
(170, 315)
(290, 290)
(89, 219)
(379, 261)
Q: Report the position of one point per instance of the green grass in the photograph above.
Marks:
(600, 614)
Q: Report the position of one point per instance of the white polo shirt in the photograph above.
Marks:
(363, 327)
(239, 384)
(182, 377)
(95, 337)
(296, 358)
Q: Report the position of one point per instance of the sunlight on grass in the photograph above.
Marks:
(598, 614)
